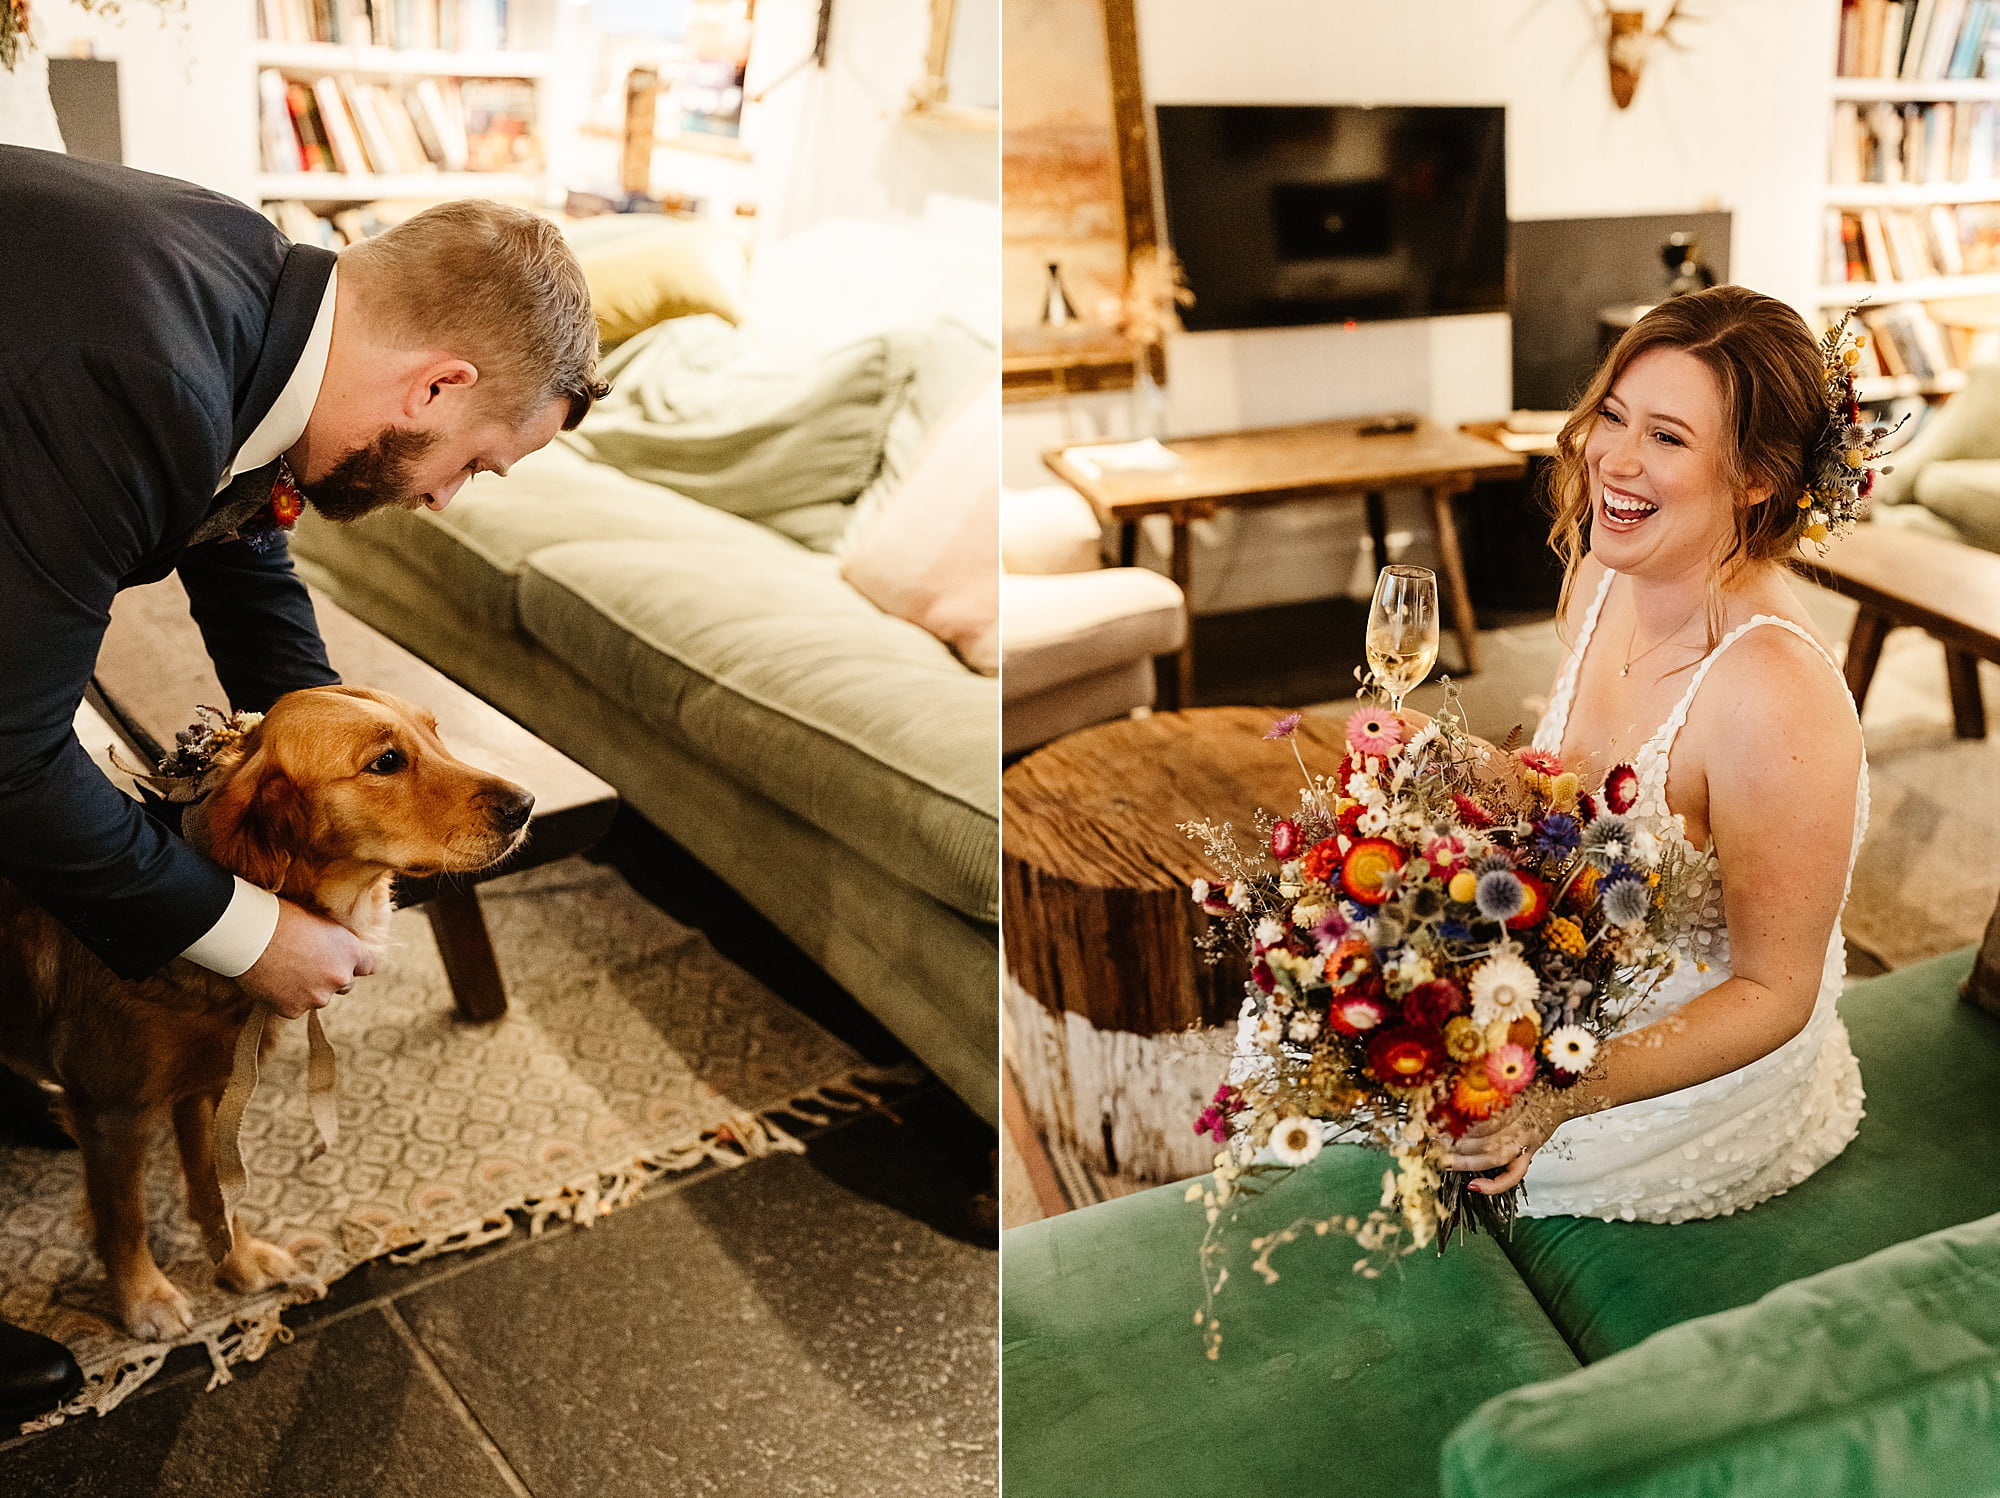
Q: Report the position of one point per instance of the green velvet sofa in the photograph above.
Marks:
(1842, 1339)
(835, 765)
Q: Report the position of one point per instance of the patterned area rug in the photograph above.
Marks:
(630, 1048)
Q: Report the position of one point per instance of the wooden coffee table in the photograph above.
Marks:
(152, 672)
(1115, 1018)
(1325, 460)
(1949, 590)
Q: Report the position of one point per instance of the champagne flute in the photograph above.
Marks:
(1403, 630)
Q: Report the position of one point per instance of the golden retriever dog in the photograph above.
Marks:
(335, 793)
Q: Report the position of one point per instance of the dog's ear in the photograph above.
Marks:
(254, 823)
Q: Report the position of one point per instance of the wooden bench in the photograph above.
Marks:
(1904, 577)
(152, 672)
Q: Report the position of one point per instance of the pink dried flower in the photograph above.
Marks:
(1375, 732)
(1285, 727)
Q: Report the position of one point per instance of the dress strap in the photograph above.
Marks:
(1555, 722)
(1663, 741)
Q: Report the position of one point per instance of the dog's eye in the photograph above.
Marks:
(391, 761)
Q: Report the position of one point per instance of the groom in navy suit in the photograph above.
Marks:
(166, 359)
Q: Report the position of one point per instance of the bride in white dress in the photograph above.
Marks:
(1693, 662)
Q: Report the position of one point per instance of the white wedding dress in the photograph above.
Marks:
(1728, 1143)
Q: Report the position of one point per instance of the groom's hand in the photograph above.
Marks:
(308, 961)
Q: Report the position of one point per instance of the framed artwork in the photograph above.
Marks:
(1077, 189)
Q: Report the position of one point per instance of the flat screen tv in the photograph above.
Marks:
(1286, 215)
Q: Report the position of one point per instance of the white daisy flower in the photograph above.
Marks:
(1304, 1028)
(1503, 987)
(1270, 1028)
(1373, 823)
(1570, 1048)
(1295, 1141)
(1269, 932)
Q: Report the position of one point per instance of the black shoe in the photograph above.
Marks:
(25, 1114)
(36, 1374)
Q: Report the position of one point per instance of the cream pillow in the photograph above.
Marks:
(648, 268)
(931, 553)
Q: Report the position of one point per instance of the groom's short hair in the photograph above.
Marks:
(494, 285)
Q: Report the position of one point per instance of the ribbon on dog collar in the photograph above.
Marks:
(230, 1176)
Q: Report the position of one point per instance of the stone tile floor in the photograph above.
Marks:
(805, 1325)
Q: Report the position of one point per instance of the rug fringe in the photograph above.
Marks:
(250, 1331)
(244, 1335)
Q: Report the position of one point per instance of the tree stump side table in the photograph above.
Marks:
(1118, 1029)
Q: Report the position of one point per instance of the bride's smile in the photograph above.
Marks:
(1661, 502)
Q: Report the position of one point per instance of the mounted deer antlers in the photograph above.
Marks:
(1628, 43)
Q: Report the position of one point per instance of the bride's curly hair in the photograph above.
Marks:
(1773, 382)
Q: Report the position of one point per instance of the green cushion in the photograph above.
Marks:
(1966, 426)
(742, 424)
(1966, 492)
(1877, 1379)
(777, 671)
(1327, 1383)
(1924, 1160)
(472, 551)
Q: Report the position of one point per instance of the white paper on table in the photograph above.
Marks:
(1145, 456)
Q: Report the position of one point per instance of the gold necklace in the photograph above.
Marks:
(1633, 660)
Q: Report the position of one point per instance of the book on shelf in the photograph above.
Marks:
(1915, 143)
(332, 229)
(341, 124)
(1912, 244)
(1917, 40)
(447, 25)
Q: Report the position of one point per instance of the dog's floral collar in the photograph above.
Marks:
(182, 770)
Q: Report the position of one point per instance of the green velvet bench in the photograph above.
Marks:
(1715, 1356)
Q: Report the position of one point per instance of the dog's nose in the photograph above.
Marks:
(512, 807)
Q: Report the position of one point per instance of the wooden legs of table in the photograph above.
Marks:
(460, 929)
(1180, 567)
(1961, 669)
(1968, 707)
(1173, 673)
(1445, 529)
(1864, 653)
(1378, 528)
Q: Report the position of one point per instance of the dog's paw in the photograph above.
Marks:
(255, 1265)
(152, 1309)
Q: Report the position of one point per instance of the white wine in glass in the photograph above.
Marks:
(1403, 630)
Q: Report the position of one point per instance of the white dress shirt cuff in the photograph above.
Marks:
(234, 943)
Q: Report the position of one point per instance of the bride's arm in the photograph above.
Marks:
(1781, 757)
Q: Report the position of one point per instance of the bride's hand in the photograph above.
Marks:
(1508, 1139)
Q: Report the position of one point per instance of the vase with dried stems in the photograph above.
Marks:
(1148, 310)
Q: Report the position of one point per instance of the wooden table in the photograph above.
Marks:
(1099, 928)
(1903, 577)
(152, 672)
(1290, 465)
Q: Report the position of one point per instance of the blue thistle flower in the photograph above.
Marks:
(1501, 895)
(1626, 902)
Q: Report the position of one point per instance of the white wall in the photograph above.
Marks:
(186, 86)
(1737, 121)
(836, 142)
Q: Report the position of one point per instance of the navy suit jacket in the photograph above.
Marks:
(146, 327)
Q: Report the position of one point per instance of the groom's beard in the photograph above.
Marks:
(371, 478)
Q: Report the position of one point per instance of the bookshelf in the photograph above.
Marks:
(366, 111)
(1911, 206)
